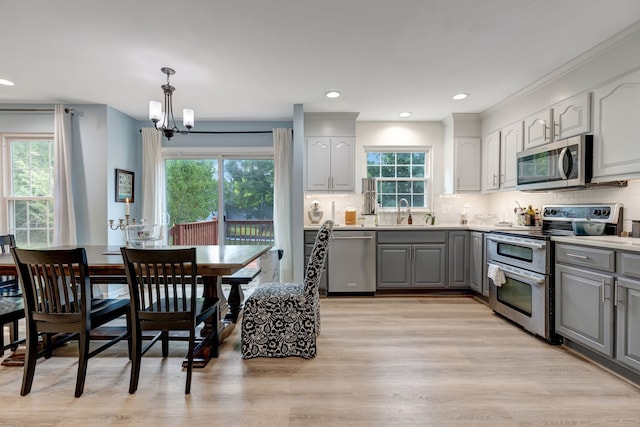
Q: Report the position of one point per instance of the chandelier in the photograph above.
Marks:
(163, 120)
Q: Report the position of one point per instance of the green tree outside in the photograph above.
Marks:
(192, 189)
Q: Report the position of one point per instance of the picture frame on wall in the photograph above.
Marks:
(124, 186)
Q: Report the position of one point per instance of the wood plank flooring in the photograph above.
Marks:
(383, 361)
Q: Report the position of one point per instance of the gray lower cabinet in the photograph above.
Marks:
(584, 311)
(459, 259)
(476, 261)
(627, 302)
(599, 306)
(309, 239)
(418, 259)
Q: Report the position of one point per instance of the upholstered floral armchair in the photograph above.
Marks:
(283, 319)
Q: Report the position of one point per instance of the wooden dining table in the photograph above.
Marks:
(214, 261)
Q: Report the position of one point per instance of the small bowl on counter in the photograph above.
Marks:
(588, 228)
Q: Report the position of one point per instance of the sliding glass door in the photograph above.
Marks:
(220, 198)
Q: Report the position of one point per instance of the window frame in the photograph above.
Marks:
(427, 179)
(6, 196)
(215, 153)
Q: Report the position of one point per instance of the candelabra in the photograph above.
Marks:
(123, 223)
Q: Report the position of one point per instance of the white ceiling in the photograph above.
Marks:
(254, 59)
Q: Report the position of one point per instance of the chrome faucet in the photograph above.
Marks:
(400, 217)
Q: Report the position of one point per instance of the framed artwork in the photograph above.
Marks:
(124, 186)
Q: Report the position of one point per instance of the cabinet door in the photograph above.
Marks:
(628, 322)
(393, 266)
(467, 164)
(475, 261)
(537, 129)
(429, 268)
(511, 145)
(342, 164)
(616, 129)
(572, 117)
(318, 164)
(491, 171)
(584, 309)
(458, 259)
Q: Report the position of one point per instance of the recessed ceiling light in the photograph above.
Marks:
(332, 94)
(6, 82)
(405, 114)
(460, 96)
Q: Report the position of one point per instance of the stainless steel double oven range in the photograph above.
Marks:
(526, 257)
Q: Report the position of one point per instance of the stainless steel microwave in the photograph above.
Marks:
(562, 164)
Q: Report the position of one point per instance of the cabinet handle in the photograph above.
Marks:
(615, 292)
(577, 256)
(494, 179)
(556, 132)
(544, 131)
(602, 291)
(502, 179)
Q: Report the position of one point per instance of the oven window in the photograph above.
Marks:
(516, 252)
(516, 295)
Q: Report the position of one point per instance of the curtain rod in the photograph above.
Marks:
(35, 110)
(229, 132)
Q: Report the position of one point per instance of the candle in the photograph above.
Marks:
(126, 206)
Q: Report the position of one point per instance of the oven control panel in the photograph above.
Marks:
(597, 212)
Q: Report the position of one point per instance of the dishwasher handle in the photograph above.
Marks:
(352, 238)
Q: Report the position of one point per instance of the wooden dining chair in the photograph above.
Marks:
(8, 284)
(59, 306)
(11, 307)
(162, 286)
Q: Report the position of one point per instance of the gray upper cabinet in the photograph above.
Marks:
(537, 129)
(616, 108)
(331, 164)
(467, 164)
(510, 146)
(491, 156)
(572, 117)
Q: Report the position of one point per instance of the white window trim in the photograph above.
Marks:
(428, 149)
(5, 162)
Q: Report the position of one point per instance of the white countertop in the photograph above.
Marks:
(611, 242)
(404, 227)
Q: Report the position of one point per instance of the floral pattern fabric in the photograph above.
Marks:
(283, 319)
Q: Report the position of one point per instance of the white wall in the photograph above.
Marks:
(419, 134)
(610, 60)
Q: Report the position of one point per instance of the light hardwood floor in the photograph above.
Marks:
(383, 361)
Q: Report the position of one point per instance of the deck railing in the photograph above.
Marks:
(237, 232)
(194, 233)
(249, 232)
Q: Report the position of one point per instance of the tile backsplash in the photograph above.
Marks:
(448, 209)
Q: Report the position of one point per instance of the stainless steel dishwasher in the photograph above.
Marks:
(352, 262)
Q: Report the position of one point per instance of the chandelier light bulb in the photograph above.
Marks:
(187, 118)
(155, 111)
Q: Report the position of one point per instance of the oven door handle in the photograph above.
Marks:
(509, 271)
(520, 243)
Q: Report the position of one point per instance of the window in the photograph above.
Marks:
(29, 188)
(246, 201)
(401, 174)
